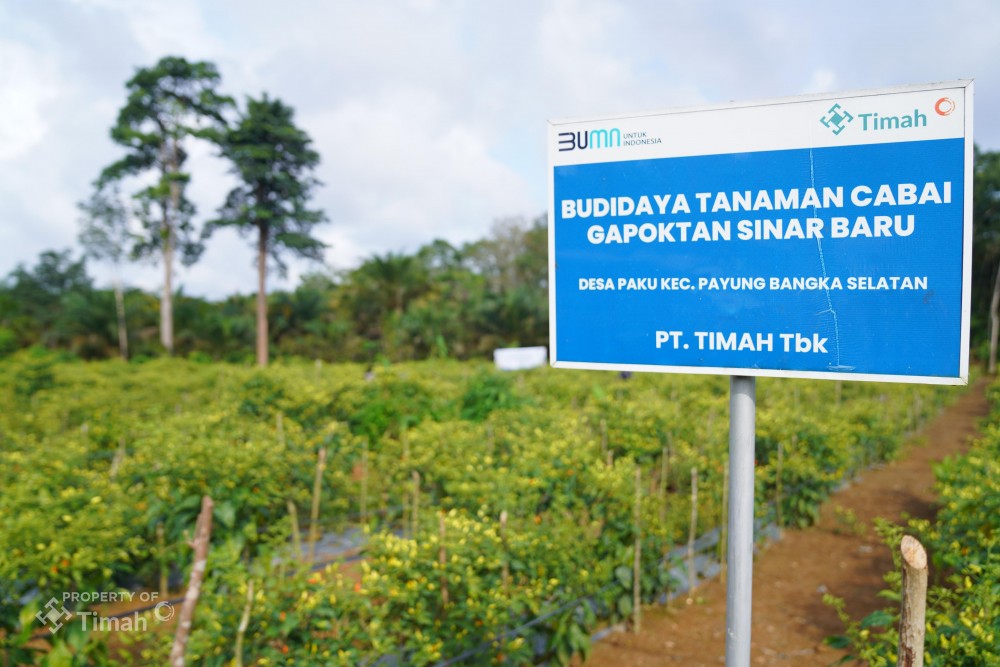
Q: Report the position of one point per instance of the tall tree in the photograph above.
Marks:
(275, 163)
(167, 103)
(105, 235)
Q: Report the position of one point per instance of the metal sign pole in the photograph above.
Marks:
(739, 579)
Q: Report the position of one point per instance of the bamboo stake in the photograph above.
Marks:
(242, 629)
(293, 514)
(314, 512)
(912, 622)
(443, 561)
(200, 543)
(637, 560)
(692, 577)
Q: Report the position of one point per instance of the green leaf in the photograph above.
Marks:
(880, 618)
(225, 514)
(624, 605)
(838, 641)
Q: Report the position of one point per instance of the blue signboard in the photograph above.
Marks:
(826, 236)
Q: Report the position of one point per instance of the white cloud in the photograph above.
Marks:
(429, 115)
(823, 80)
(29, 82)
(401, 170)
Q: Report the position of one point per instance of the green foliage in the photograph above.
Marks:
(166, 103)
(487, 391)
(963, 609)
(139, 444)
(274, 162)
(32, 373)
(8, 342)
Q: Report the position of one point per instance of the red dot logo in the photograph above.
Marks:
(944, 106)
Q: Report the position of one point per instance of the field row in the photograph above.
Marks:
(488, 499)
(963, 541)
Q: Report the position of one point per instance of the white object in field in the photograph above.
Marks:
(520, 358)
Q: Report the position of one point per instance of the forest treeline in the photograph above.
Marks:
(440, 301)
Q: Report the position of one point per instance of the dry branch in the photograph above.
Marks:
(200, 543)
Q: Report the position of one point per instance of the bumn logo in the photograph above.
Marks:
(836, 119)
(603, 138)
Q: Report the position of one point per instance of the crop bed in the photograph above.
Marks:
(501, 511)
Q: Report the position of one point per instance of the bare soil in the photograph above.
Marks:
(839, 555)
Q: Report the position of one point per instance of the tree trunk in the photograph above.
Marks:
(120, 311)
(170, 227)
(167, 298)
(994, 323)
(262, 296)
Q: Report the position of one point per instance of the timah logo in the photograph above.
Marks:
(54, 615)
(610, 138)
(836, 119)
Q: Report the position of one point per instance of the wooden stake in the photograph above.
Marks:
(664, 471)
(912, 621)
(293, 514)
(314, 512)
(281, 429)
(119, 458)
(637, 560)
(242, 629)
(161, 556)
(605, 454)
(692, 531)
(443, 561)
(505, 571)
(200, 544)
(779, 471)
(405, 435)
(709, 427)
(416, 505)
(364, 480)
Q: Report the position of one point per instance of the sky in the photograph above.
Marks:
(430, 116)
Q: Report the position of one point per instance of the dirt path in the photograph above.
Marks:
(790, 620)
